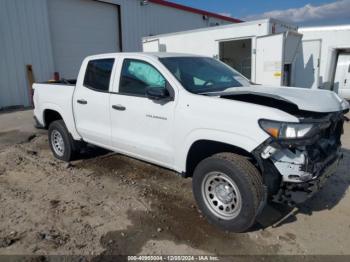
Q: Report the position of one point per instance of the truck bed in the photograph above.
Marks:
(67, 82)
(57, 96)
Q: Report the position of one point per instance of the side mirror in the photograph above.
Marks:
(156, 93)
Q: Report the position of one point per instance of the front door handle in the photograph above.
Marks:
(82, 101)
(119, 107)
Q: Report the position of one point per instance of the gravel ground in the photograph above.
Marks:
(106, 203)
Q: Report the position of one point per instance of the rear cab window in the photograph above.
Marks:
(98, 74)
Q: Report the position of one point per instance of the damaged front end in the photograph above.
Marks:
(295, 167)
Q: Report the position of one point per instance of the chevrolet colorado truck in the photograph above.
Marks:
(242, 144)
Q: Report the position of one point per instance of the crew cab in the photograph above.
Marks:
(242, 144)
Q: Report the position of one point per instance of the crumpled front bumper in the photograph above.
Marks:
(294, 170)
(297, 192)
(297, 167)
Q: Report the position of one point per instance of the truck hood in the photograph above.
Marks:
(314, 100)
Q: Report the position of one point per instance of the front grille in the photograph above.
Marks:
(334, 131)
(327, 144)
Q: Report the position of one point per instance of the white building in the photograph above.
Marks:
(271, 52)
(324, 59)
(55, 35)
(262, 50)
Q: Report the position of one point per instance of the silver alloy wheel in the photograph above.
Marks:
(57, 143)
(221, 195)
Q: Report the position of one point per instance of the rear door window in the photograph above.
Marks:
(98, 74)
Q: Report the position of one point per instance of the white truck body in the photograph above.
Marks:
(97, 124)
(184, 127)
(261, 50)
(198, 117)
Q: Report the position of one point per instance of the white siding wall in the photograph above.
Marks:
(25, 38)
(336, 37)
(192, 41)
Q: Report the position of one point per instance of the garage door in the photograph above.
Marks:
(80, 28)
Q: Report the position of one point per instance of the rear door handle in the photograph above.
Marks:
(119, 107)
(82, 101)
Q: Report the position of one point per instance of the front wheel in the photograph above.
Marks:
(228, 190)
(61, 143)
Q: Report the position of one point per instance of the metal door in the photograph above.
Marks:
(269, 57)
(307, 64)
(342, 76)
(80, 28)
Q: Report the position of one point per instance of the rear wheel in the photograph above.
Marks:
(228, 190)
(61, 143)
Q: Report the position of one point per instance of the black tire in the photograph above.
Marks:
(246, 178)
(70, 147)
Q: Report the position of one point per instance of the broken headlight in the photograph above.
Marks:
(285, 130)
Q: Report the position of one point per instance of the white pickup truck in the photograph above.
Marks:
(242, 144)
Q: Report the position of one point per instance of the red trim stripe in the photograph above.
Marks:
(195, 10)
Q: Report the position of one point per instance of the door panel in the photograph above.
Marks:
(142, 127)
(342, 76)
(93, 117)
(306, 67)
(292, 42)
(91, 102)
(269, 57)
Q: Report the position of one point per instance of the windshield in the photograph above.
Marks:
(203, 74)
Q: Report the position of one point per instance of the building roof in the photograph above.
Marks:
(195, 10)
(324, 28)
(212, 28)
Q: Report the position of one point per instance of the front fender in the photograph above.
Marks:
(238, 140)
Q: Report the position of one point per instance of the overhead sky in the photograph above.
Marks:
(301, 12)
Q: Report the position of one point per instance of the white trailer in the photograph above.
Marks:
(323, 59)
(262, 50)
